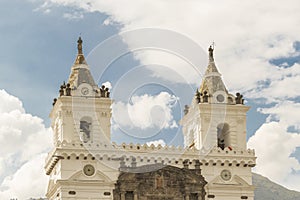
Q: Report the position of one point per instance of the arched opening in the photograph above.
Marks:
(223, 135)
(85, 129)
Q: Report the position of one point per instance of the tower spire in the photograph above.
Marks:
(212, 81)
(80, 72)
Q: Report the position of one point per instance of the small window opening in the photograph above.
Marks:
(194, 196)
(85, 129)
(129, 195)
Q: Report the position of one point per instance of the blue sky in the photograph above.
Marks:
(257, 51)
(26, 34)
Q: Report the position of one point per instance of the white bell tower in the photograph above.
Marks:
(215, 124)
(80, 119)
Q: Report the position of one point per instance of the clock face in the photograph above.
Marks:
(89, 170)
(220, 98)
(85, 91)
(226, 175)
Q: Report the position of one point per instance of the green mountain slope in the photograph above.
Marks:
(268, 190)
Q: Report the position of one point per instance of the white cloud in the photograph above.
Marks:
(20, 130)
(9, 103)
(146, 111)
(287, 112)
(29, 180)
(45, 8)
(23, 138)
(171, 67)
(248, 34)
(283, 84)
(274, 145)
(107, 22)
(157, 142)
(73, 15)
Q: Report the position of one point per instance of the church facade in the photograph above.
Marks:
(84, 164)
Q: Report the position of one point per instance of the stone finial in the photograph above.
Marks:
(107, 92)
(205, 97)
(68, 90)
(197, 167)
(211, 53)
(61, 91)
(65, 89)
(104, 91)
(197, 96)
(239, 99)
(54, 101)
(197, 164)
(79, 45)
(186, 164)
(80, 57)
(186, 109)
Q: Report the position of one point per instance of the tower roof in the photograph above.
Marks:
(80, 72)
(212, 81)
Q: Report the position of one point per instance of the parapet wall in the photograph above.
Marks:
(145, 154)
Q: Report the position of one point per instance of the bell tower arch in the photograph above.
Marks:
(223, 135)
